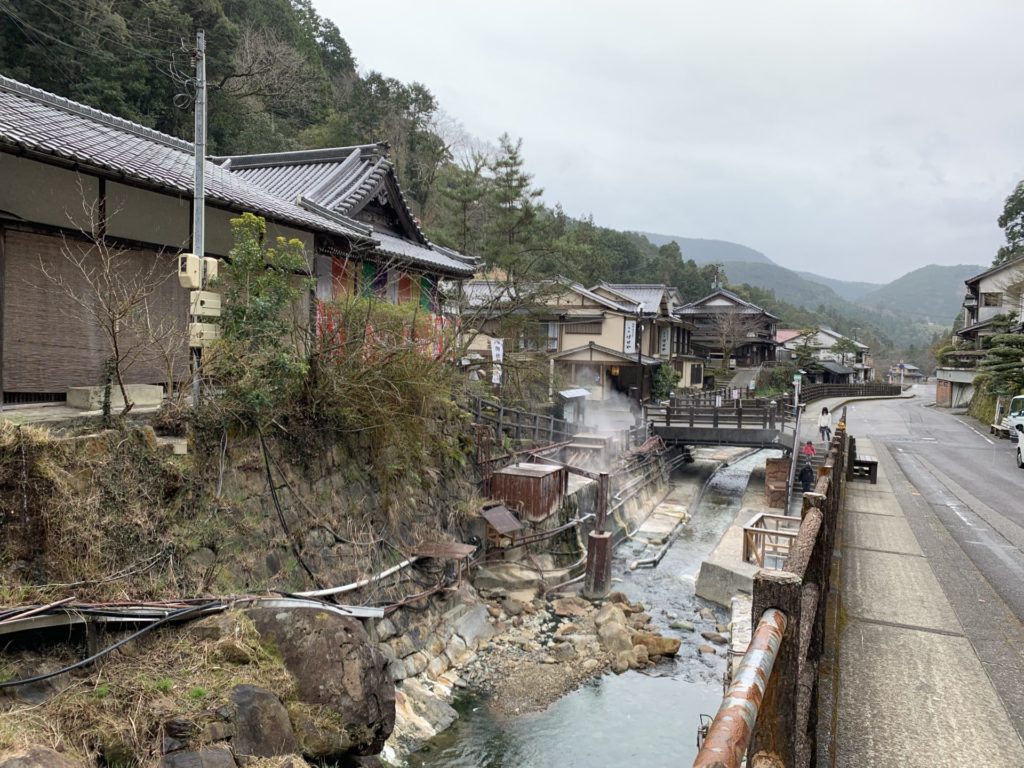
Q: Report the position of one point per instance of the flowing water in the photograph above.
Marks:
(640, 719)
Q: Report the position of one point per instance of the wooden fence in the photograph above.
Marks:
(521, 425)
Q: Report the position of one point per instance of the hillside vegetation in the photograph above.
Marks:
(933, 293)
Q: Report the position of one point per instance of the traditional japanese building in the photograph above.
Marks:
(723, 319)
(74, 177)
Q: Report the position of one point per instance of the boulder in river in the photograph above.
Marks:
(657, 645)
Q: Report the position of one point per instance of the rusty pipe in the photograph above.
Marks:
(730, 732)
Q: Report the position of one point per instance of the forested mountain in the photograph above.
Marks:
(850, 290)
(709, 251)
(934, 293)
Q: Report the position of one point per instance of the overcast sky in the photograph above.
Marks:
(858, 139)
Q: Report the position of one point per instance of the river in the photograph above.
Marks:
(641, 719)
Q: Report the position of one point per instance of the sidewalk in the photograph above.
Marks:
(907, 686)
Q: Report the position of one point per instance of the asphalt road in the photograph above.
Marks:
(968, 479)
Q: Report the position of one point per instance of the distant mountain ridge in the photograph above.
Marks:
(933, 293)
(930, 294)
(847, 289)
(709, 251)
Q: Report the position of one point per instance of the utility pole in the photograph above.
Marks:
(199, 191)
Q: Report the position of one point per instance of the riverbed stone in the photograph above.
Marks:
(708, 650)
(684, 626)
(714, 637)
(642, 656)
(457, 650)
(610, 614)
(474, 626)
(573, 606)
(615, 638)
(563, 652)
(657, 645)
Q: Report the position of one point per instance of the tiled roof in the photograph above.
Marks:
(740, 305)
(36, 121)
(429, 258)
(627, 357)
(477, 293)
(647, 296)
(343, 180)
(782, 335)
(340, 178)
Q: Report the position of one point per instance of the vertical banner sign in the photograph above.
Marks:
(497, 356)
(663, 342)
(629, 343)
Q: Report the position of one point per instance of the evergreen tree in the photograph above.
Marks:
(515, 233)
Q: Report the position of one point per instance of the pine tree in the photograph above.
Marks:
(514, 235)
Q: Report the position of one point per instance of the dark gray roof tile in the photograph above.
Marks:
(34, 120)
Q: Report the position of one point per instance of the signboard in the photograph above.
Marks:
(629, 342)
(663, 341)
(497, 356)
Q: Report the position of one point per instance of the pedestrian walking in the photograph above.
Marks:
(806, 476)
(825, 425)
(808, 451)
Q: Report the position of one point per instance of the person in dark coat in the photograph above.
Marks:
(807, 476)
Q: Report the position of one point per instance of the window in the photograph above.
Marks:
(592, 328)
(991, 299)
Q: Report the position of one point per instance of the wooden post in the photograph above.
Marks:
(500, 426)
(739, 414)
(776, 729)
(536, 427)
(714, 417)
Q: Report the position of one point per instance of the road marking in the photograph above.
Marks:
(990, 442)
(959, 514)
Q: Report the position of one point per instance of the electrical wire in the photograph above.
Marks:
(175, 616)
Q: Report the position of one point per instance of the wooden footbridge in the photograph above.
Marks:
(746, 423)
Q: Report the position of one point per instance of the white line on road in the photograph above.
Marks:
(990, 442)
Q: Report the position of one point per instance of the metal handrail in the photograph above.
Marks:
(725, 745)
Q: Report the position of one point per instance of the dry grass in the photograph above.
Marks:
(117, 710)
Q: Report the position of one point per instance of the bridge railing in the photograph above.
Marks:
(730, 416)
(769, 714)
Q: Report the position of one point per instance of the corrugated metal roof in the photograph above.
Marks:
(35, 120)
(502, 520)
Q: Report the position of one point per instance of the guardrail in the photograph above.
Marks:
(769, 714)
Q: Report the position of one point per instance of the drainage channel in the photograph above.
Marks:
(642, 719)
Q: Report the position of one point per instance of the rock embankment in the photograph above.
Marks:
(517, 651)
